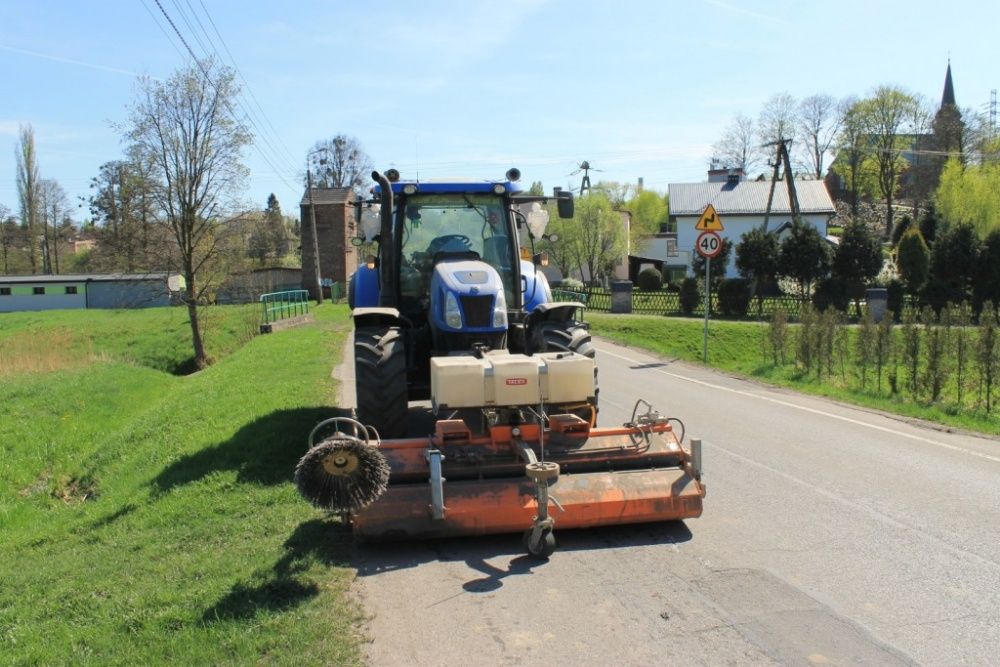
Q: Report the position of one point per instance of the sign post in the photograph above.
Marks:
(708, 245)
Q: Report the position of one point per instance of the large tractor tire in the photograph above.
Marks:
(380, 379)
(567, 336)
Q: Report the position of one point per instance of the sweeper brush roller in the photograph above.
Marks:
(342, 474)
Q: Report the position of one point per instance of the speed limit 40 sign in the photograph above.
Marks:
(709, 244)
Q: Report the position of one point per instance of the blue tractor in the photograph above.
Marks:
(455, 273)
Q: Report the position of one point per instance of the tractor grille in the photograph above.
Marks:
(478, 310)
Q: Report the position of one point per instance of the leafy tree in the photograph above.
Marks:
(29, 192)
(929, 224)
(818, 125)
(804, 256)
(734, 297)
(340, 162)
(899, 229)
(885, 117)
(954, 256)
(854, 163)
(269, 236)
(11, 239)
(913, 260)
(599, 239)
(757, 260)
(184, 127)
(123, 201)
(987, 360)
(649, 211)
(970, 193)
(536, 188)
(858, 258)
(986, 286)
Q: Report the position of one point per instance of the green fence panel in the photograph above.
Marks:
(283, 305)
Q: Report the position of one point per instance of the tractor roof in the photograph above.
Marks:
(453, 187)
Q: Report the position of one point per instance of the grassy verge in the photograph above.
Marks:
(159, 338)
(740, 348)
(149, 518)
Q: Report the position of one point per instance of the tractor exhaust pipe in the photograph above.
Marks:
(386, 246)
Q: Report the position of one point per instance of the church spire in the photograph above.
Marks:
(948, 97)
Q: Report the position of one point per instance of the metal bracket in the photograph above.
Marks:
(434, 458)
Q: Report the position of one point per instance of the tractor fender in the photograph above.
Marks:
(363, 290)
(377, 317)
(560, 311)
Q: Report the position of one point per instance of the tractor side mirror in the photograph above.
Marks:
(564, 203)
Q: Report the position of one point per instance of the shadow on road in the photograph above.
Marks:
(476, 552)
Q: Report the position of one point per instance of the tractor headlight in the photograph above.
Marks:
(452, 313)
(500, 311)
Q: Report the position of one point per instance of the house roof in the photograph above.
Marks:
(328, 196)
(84, 277)
(747, 198)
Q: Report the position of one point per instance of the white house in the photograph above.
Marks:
(741, 205)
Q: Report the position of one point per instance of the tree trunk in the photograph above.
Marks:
(200, 359)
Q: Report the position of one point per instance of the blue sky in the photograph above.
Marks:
(467, 89)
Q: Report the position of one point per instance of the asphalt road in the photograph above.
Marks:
(831, 535)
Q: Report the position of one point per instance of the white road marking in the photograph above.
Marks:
(778, 401)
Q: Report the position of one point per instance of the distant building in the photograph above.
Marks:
(741, 206)
(335, 228)
(115, 290)
(247, 287)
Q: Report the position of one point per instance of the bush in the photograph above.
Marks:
(832, 293)
(689, 295)
(571, 285)
(734, 297)
(894, 297)
(673, 287)
(650, 280)
(938, 293)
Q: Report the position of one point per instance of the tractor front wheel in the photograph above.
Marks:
(380, 379)
(567, 336)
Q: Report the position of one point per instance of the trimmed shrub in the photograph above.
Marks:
(689, 295)
(571, 285)
(894, 297)
(832, 293)
(937, 294)
(649, 280)
(734, 297)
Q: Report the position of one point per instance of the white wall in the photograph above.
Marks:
(735, 228)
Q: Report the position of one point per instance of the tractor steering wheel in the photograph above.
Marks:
(440, 244)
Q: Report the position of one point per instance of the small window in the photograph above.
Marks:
(70, 289)
(4, 291)
(38, 290)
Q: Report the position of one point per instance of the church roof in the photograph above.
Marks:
(948, 97)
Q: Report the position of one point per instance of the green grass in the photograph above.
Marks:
(159, 338)
(739, 348)
(150, 518)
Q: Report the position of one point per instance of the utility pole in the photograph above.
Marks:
(315, 237)
(780, 159)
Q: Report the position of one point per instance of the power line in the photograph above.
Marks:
(208, 79)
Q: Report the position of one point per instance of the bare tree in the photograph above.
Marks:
(885, 117)
(923, 168)
(778, 119)
(186, 128)
(53, 206)
(8, 236)
(28, 191)
(851, 149)
(340, 162)
(738, 147)
(819, 123)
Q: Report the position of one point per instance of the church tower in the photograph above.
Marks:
(948, 125)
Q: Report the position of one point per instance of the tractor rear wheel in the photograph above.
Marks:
(567, 336)
(380, 379)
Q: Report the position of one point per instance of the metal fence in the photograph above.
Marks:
(662, 302)
(282, 305)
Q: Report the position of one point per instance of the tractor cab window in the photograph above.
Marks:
(435, 226)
